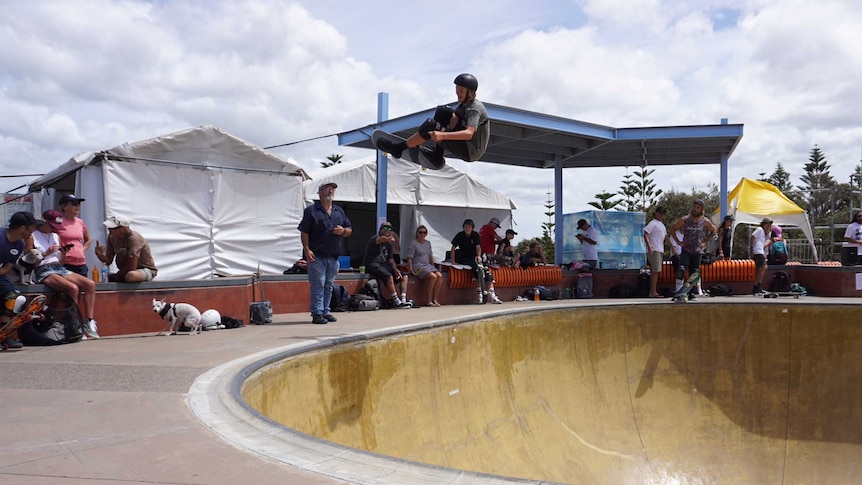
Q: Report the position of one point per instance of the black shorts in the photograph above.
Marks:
(382, 271)
(81, 269)
(759, 260)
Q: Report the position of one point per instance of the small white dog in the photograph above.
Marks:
(26, 266)
(178, 314)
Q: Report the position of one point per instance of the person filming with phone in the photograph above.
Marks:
(53, 274)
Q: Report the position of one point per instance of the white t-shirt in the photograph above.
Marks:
(854, 231)
(676, 249)
(591, 251)
(656, 233)
(759, 241)
(43, 242)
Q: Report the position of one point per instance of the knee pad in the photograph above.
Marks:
(489, 278)
(427, 127)
(443, 115)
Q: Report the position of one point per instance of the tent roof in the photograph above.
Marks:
(203, 145)
(408, 184)
(759, 197)
(529, 139)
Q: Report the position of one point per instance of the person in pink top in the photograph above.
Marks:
(74, 232)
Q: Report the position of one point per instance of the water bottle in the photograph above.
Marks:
(105, 273)
(536, 293)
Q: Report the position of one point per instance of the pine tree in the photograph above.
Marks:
(334, 159)
(646, 187)
(780, 178)
(817, 182)
(603, 201)
(547, 239)
(629, 191)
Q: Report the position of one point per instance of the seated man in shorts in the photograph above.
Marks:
(134, 259)
(379, 263)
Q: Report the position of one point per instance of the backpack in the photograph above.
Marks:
(361, 303)
(780, 282)
(61, 323)
(340, 299)
(370, 288)
(584, 286)
(719, 290)
(779, 252)
(643, 284)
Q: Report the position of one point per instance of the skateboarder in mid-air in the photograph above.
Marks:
(463, 130)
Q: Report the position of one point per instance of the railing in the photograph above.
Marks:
(799, 250)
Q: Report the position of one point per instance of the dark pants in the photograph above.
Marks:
(688, 261)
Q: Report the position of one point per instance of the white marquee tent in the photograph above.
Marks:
(439, 199)
(208, 203)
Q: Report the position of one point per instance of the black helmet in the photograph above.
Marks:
(469, 81)
(468, 222)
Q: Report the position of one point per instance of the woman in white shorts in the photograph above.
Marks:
(420, 261)
(52, 274)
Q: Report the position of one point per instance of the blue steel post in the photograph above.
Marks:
(382, 165)
(722, 193)
(558, 210)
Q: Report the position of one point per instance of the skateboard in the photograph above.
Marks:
(455, 265)
(776, 294)
(423, 156)
(32, 311)
(483, 285)
(681, 296)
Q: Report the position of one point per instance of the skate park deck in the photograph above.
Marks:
(726, 390)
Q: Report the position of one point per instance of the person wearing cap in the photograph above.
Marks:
(322, 228)
(463, 130)
(467, 250)
(53, 274)
(379, 262)
(13, 241)
(760, 241)
(420, 261)
(655, 235)
(74, 232)
(506, 250)
(589, 238)
(696, 232)
(725, 232)
(134, 259)
(488, 237)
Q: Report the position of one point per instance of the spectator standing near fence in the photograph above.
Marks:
(74, 231)
(725, 232)
(853, 235)
(589, 238)
(655, 235)
(488, 236)
(760, 241)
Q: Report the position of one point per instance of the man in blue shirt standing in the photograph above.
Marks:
(323, 226)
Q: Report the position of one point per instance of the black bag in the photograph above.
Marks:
(362, 303)
(230, 322)
(719, 290)
(61, 323)
(340, 299)
(260, 312)
(780, 282)
(371, 288)
(643, 284)
(544, 293)
(584, 287)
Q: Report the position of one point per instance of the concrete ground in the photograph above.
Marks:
(116, 410)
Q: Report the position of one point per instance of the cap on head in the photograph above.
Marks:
(777, 230)
(496, 221)
(468, 81)
(511, 231)
(386, 225)
(70, 198)
(114, 222)
(23, 218)
(581, 223)
(699, 202)
(765, 221)
(54, 218)
(468, 222)
(326, 185)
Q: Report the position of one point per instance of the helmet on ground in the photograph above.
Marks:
(210, 318)
(468, 81)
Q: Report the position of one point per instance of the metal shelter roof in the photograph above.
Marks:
(529, 139)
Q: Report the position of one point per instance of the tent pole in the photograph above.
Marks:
(558, 209)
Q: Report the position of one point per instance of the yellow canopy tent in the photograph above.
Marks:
(752, 200)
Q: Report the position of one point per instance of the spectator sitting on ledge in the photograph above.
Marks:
(534, 256)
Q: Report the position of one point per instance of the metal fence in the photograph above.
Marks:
(799, 250)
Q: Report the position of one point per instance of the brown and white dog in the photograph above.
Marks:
(178, 314)
(26, 266)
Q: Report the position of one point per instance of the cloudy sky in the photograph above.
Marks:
(80, 75)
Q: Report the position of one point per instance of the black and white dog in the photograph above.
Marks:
(178, 314)
(26, 265)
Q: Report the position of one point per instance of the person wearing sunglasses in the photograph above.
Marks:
(379, 262)
(74, 232)
(420, 261)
